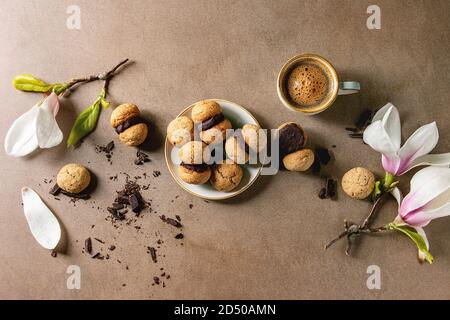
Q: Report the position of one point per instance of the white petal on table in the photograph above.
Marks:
(43, 224)
(21, 137)
(47, 129)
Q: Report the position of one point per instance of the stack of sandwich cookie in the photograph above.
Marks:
(212, 123)
(292, 139)
(128, 124)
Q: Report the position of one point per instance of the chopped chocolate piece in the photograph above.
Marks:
(331, 188)
(195, 167)
(323, 193)
(101, 241)
(109, 146)
(127, 124)
(211, 122)
(156, 280)
(152, 252)
(363, 119)
(55, 190)
(53, 253)
(178, 217)
(291, 139)
(135, 202)
(98, 255)
(88, 245)
(191, 206)
(112, 247)
(156, 173)
(323, 156)
(118, 206)
(179, 236)
(141, 157)
(173, 222)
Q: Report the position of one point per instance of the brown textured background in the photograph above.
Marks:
(267, 243)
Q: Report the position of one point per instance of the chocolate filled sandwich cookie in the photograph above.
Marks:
(180, 131)
(292, 139)
(213, 125)
(193, 168)
(126, 120)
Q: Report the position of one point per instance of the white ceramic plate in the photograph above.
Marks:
(238, 116)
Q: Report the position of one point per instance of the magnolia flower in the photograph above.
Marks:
(384, 136)
(37, 128)
(428, 198)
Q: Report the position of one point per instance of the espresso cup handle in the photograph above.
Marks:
(348, 87)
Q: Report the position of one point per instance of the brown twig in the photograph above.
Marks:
(105, 76)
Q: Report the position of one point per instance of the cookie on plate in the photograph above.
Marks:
(213, 124)
(180, 131)
(236, 150)
(226, 177)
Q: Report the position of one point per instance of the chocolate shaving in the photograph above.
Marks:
(83, 196)
(152, 252)
(55, 190)
(211, 122)
(99, 256)
(141, 158)
(88, 245)
(179, 236)
(172, 222)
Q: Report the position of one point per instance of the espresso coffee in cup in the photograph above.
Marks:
(309, 83)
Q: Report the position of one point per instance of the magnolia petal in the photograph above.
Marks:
(378, 138)
(421, 142)
(390, 163)
(47, 129)
(439, 208)
(43, 224)
(21, 137)
(397, 194)
(426, 185)
(391, 123)
(442, 159)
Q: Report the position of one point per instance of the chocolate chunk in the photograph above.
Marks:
(53, 253)
(152, 252)
(156, 173)
(323, 156)
(109, 147)
(135, 202)
(141, 158)
(364, 119)
(291, 139)
(331, 188)
(55, 190)
(88, 245)
(101, 241)
(127, 124)
(323, 193)
(179, 236)
(156, 280)
(211, 122)
(173, 222)
(112, 247)
(99, 256)
(118, 206)
(195, 167)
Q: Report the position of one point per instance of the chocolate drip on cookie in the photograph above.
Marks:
(195, 167)
(211, 122)
(291, 138)
(127, 124)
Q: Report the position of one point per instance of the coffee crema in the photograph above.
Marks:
(307, 85)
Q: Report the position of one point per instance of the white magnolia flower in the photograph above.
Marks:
(37, 128)
(384, 136)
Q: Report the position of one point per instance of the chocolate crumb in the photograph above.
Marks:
(331, 188)
(171, 221)
(156, 280)
(98, 255)
(152, 252)
(53, 253)
(88, 245)
(101, 241)
(179, 236)
(323, 193)
(156, 173)
(55, 190)
(141, 158)
(178, 217)
(191, 206)
(112, 247)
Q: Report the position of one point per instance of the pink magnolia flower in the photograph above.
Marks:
(384, 136)
(428, 198)
(37, 128)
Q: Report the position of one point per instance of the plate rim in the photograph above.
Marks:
(166, 144)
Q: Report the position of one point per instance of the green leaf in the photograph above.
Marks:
(376, 192)
(415, 237)
(85, 123)
(27, 82)
(104, 103)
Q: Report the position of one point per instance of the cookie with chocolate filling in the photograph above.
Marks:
(237, 150)
(213, 125)
(126, 120)
(194, 173)
(194, 152)
(254, 137)
(226, 177)
(291, 138)
(180, 131)
(73, 178)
